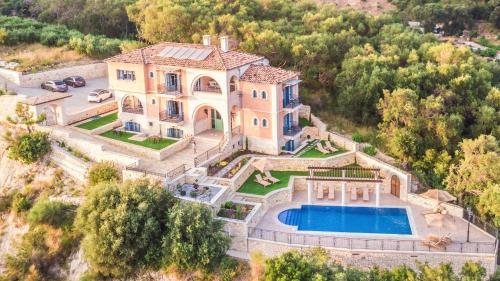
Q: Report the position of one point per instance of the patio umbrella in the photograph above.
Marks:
(439, 195)
(262, 165)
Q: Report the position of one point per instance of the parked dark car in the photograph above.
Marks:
(74, 81)
(55, 86)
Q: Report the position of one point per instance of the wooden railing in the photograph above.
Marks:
(404, 245)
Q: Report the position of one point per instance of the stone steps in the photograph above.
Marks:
(73, 166)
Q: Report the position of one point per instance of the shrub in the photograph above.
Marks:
(30, 147)
(128, 45)
(228, 269)
(54, 213)
(139, 211)
(20, 203)
(196, 238)
(193, 193)
(103, 172)
(5, 202)
(370, 150)
(357, 137)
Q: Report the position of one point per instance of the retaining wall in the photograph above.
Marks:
(366, 259)
(88, 71)
(91, 112)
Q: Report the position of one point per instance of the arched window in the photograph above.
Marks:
(254, 93)
(255, 121)
(264, 123)
(263, 95)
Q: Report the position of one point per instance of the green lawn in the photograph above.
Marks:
(310, 151)
(124, 136)
(250, 186)
(99, 122)
(304, 122)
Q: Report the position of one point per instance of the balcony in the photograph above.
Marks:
(169, 90)
(133, 110)
(292, 131)
(292, 103)
(171, 118)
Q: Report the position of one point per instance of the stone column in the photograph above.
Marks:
(377, 194)
(309, 191)
(343, 193)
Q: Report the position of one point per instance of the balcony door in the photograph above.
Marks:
(287, 95)
(172, 107)
(171, 82)
(287, 121)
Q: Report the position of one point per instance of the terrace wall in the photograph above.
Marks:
(88, 71)
(91, 112)
(367, 259)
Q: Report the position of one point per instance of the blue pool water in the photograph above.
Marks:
(348, 219)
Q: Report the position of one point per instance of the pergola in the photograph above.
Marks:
(343, 175)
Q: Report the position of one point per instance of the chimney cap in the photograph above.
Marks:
(207, 40)
(224, 43)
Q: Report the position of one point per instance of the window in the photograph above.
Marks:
(264, 123)
(153, 101)
(254, 94)
(151, 74)
(171, 80)
(255, 121)
(263, 95)
(125, 74)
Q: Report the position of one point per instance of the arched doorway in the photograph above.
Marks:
(233, 85)
(395, 186)
(207, 118)
(132, 104)
(50, 115)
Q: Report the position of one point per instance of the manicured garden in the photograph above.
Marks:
(151, 142)
(252, 187)
(310, 151)
(99, 121)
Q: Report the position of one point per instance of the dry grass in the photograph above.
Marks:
(37, 57)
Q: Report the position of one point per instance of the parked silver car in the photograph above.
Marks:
(99, 95)
(55, 86)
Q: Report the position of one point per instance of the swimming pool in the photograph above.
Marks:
(348, 219)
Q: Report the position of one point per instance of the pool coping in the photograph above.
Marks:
(409, 213)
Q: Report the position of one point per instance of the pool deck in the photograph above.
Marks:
(457, 227)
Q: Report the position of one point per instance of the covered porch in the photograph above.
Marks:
(339, 184)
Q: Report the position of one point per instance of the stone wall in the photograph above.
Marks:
(134, 175)
(107, 127)
(88, 71)
(11, 75)
(387, 171)
(89, 113)
(366, 259)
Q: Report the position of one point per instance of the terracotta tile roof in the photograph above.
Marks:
(216, 60)
(45, 98)
(267, 74)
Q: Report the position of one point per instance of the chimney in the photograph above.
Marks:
(224, 43)
(207, 40)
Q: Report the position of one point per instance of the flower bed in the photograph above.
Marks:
(232, 210)
(214, 169)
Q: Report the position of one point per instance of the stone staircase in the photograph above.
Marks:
(73, 166)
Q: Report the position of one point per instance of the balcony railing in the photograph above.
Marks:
(170, 90)
(172, 118)
(134, 110)
(293, 103)
(292, 131)
(207, 89)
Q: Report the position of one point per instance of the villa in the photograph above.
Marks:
(175, 89)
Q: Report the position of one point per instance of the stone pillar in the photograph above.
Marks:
(343, 193)
(377, 194)
(309, 191)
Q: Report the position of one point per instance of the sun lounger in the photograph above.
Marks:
(366, 195)
(330, 147)
(438, 242)
(260, 180)
(321, 192)
(269, 177)
(331, 192)
(320, 148)
(354, 194)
